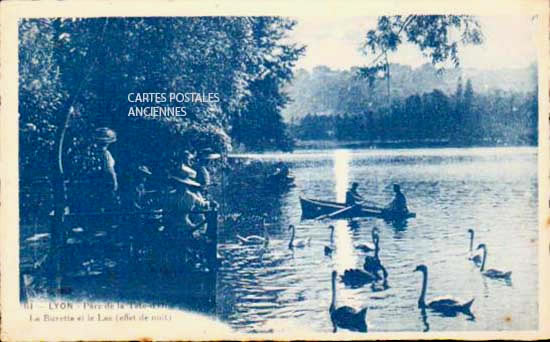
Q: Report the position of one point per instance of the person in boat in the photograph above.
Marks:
(352, 195)
(399, 202)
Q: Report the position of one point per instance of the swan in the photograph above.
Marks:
(369, 247)
(354, 277)
(375, 269)
(346, 317)
(476, 259)
(491, 273)
(372, 264)
(448, 306)
(255, 239)
(330, 249)
(297, 243)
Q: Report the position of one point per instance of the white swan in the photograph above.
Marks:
(372, 262)
(297, 243)
(368, 246)
(255, 239)
(491, 273)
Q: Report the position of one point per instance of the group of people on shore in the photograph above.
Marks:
(176, 193)
(184, 193)
(180, 194)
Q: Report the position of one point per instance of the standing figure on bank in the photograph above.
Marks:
(203, 173)
(147, 225)
(105, 137)
(98, 182)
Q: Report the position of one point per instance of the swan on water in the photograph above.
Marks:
(491, 273)
(346, 317)
(297, 243)
(372, 264)
(370, 274)
(369, 247)
(255, 239)
(355, 277)
(475, 258)
(447, 306)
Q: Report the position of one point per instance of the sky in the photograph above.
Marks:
(335, 41)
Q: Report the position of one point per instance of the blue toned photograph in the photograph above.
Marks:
(283, 174)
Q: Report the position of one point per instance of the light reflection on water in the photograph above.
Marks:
(493, 190)
(344, 253)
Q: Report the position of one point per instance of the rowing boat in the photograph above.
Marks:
(312, 208)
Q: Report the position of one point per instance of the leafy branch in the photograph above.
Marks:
(437, 36)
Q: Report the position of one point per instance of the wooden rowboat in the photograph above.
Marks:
(312, 209)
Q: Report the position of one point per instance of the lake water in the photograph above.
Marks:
(492, 190)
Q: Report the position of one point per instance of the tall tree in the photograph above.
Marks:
(457, 120)
(470, 121)
(259, 125)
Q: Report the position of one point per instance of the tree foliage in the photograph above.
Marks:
(86, 67)
(260, 125)
(438, 38)
(76, 73)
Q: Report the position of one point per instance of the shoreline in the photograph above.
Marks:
(326, 145)
(356, 144)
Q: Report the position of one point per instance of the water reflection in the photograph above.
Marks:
(424, 317)
(399, 226)
(343, 256)
(353, 226)
(451, 192)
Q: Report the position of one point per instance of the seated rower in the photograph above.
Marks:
(399, 202)
(352, 196)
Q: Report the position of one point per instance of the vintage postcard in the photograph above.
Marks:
(315, 170)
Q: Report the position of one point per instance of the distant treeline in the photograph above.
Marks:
(463, 118)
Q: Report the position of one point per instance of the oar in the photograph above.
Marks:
(334, 213)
